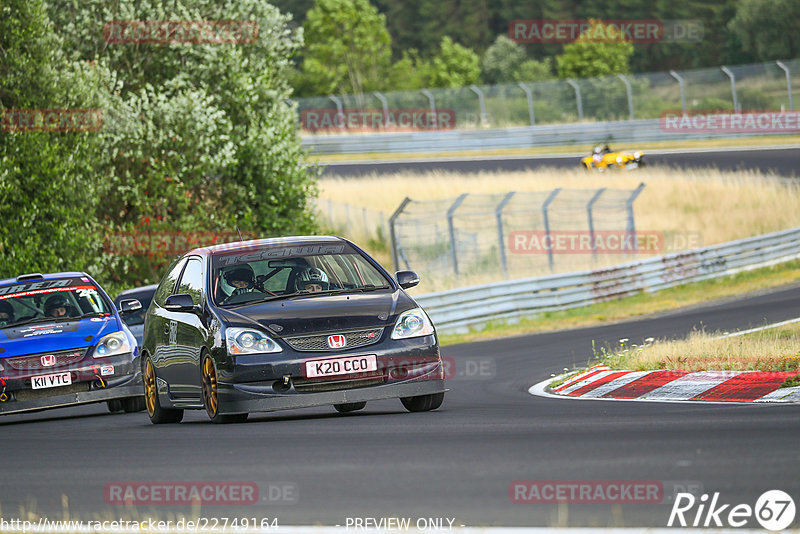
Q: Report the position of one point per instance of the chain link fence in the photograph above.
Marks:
(762, 86)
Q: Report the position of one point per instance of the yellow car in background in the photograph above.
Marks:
(603, 158)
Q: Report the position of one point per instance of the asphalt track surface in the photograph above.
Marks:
(456, 462)
(781, 161)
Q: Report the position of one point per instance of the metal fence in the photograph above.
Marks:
(354, 222)
(459, 309)
(506, 235)
(760, 86)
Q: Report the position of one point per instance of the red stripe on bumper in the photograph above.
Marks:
(645, 385)
(597, 383)
(746, 387)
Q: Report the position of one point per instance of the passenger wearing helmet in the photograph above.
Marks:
(57, 306)
(312, 280)
(241, 278)
(6, 313)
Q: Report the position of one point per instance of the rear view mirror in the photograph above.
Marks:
(129, 306)
(407, 279)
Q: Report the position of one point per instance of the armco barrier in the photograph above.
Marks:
(458, 309)
(583, 133)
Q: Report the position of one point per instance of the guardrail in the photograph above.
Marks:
(584, 133)
(457, 310)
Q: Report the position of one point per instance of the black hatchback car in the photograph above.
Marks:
(286, 323)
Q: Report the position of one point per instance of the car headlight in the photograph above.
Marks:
(619, 159)
(112, 344)
(249, 341)
(412, 323)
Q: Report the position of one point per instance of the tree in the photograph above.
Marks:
(768, 29)
(454, 66)
(348, 49)
(591, 56)
(505, 61)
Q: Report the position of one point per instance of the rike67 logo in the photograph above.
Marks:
(774, 510)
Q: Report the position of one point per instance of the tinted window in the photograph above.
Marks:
(192, 280)
(168, 283)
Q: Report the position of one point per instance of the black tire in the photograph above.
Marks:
(134, 404)
(157, 414)
(208, 386)
(350, 406)
(423, 403)
(115, 405)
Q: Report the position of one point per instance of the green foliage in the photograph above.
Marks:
(506, 61)
(196, 137)
(586, 57)
(453, 66)
(348, 49)
(768, 29)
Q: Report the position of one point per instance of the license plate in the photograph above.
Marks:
(341, 366)
(51, 381)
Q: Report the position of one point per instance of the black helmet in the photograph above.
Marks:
(5, 307)
(312, 276)
(56, 301)
(240, 272)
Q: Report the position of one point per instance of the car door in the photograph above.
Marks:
(159, 334)
(191, 331)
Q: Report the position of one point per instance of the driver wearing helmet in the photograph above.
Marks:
(312, 280)
(6, 313)
(241, 278)
(57, 306)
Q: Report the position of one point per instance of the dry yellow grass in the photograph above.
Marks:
(774, 349)
(711, 206)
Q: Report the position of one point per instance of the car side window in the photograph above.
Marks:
(192, 280)
(168, 283)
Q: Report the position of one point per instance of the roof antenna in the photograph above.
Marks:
(240, 233)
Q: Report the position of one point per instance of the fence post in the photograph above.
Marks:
(631, 226)
(547, 237)
(529, 96)
(577, 98)
(498, 213)
(788, 82)
(629, 91)
(366, 223)
(681, 86)
(330, 213)
(433, 107)
(475, 89)
(727, 71)
(339, 110)
(384, 105)
(589, 208)
(452, 231)
(393, 233)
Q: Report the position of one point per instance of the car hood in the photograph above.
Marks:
(324, 313)
(54, 336)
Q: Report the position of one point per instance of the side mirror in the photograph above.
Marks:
(180, 303)
(407, 279)
(129, 306)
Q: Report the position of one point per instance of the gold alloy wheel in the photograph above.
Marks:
(210, 387)
(150, 391)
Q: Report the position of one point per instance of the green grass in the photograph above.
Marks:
(637, 305)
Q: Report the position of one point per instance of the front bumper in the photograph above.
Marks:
(87, 386)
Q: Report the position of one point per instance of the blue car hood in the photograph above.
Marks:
(54, 336)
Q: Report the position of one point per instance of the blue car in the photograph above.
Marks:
(63, 343)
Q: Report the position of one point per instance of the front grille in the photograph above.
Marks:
(33, 394)
(310, 386)
(319, 342)
(33, 362)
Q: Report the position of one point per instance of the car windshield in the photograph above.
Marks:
(286, 272)
(50, 300)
